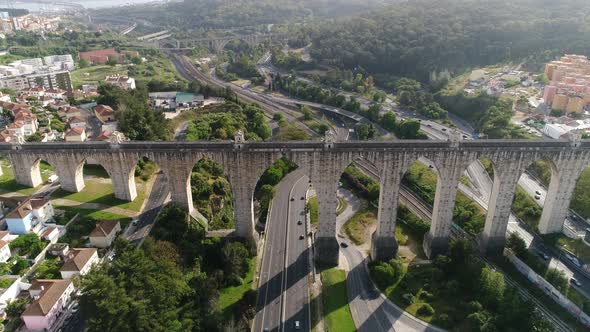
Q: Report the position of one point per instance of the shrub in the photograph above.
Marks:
(425, 310)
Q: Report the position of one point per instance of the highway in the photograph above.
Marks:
(283, 292)
(191, 72)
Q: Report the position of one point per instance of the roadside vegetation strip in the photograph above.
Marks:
(231, 296)
(312, 207)
(337, 315)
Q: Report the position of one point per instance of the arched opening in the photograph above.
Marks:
(212, 195)
(151, 184)
(358, 196)
(415, 204)
(265, 189)
(41, 172)
(473, 196)
(530, 194)
(97, 187)
(280, 209)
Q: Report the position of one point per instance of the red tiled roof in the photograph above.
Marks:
(78, 258)
(77, 119)
(51, 293)
(104, 228)
(75, 132)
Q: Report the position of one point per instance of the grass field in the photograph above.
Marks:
(337, 316)
(102, 193)
(356, 227)
(9, 184)
(229, 296)
(94, 74)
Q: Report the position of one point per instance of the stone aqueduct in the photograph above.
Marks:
(324, 163)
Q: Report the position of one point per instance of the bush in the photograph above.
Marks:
(425, 310)
(383, 275)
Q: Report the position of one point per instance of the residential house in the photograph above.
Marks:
(28, 215)
(56, 93)
(33, 92)
(16, 129)
(57, 104)
(72, 111)
(51, 234)
(112, 136)
(104, 233)
(78, 262)
(122, 82)
(4, 251)
(104, 113)
(75, 135)
(77, 122)
(50, 299)
(29, 120)
(46, 100)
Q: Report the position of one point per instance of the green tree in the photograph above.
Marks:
(517, 245)
(557, 278)
(83, 63)
(112, 61)
(388, 121)
(492, 286)
(362, 131)
(409, 129)
(16, 307)
(307, 113)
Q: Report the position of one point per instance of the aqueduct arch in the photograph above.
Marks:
(244, 163)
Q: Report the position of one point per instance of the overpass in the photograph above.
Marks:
(324, 162)
(217, 43)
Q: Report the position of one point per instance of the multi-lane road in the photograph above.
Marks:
(283, 294)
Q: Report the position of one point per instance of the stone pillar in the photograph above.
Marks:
(384, 244)
(559, 194)
(122, 173)
(326, 246)
(493, 237)
(26, 170)
(436, 241)
(69, 171)
(244, 210)
(180, 188)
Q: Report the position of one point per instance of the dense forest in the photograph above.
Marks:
(186, 274)
(221, 14)
(417, 38)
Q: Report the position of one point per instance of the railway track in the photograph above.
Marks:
(190, 72)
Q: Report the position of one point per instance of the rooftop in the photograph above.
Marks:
(51, 292)
(77, 258)
(104, 228)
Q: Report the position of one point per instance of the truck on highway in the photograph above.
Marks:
(53, 178)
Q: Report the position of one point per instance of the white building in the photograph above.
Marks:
(4, 251)
(60, 62)
(123, 82)
(29, 215)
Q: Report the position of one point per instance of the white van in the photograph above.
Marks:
(53, 178)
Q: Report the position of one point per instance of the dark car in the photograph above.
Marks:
(538, 192)
(302, 198)
(299, 222)
(343, 244)
(292, 199)
(301, 237)
(537, 197)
